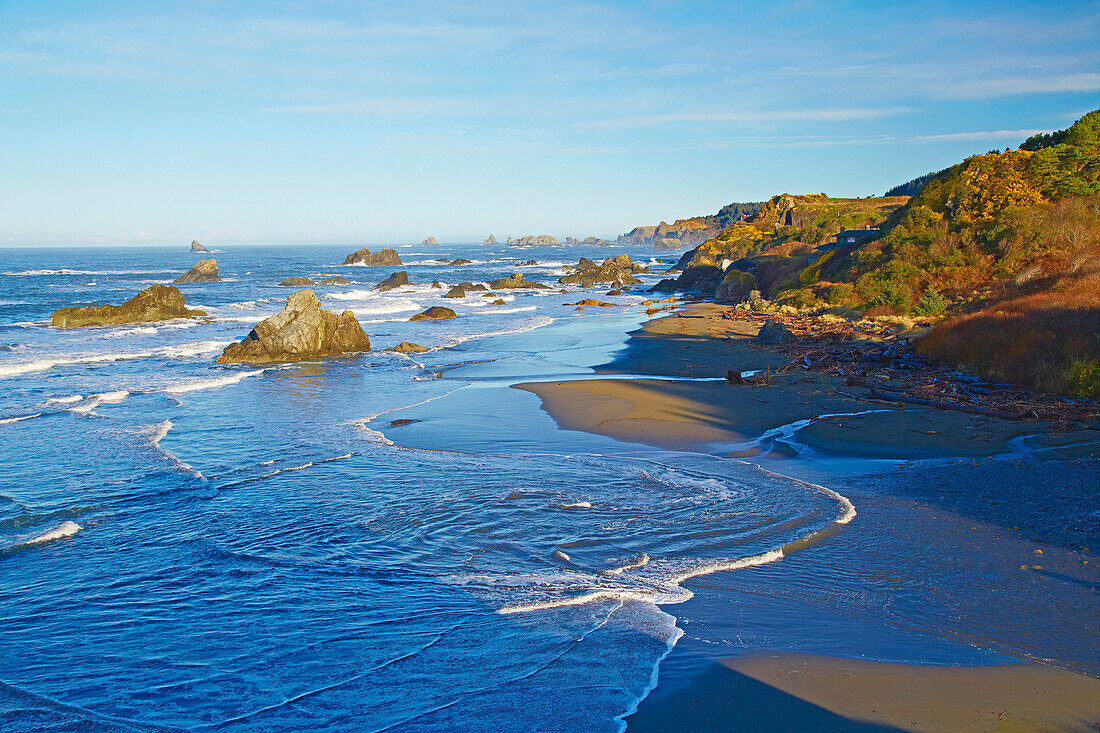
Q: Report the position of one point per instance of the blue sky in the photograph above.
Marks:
(388, 122)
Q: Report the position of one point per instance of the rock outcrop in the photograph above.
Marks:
(460, 290)
(302, 330)
(430, 241)
(298, 282)
(489, 240)
(408, 347)
(394, 281)
(773, 333)
(387, 257)
(337, 280)
(461, 261)
(203, 271)
(617, 271)
(196, 247)
(516, 282)
(534, 240)
(155, 303)
(435, 313)
(528, 263)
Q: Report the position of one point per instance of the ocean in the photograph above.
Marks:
(191, 546)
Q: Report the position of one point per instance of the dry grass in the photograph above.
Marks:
(1033, 341)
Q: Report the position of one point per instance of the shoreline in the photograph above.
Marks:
(814, 429)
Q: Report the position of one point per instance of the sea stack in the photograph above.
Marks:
(302, 330)
(203, 271)
(387, 257)
(430, 241)
(196, 247)
(155, 303)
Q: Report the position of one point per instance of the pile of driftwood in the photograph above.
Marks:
(873, 356)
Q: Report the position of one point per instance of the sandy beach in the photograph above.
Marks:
(1013, 498)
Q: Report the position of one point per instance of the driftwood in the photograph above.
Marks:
(887, 363)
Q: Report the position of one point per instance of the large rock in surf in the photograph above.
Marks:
(155, 303)
(460, 290)
(393, 282)
(387, 257)
(203, 271)
(435, 313)
(337, 280)
(408, 347)
(298, 282)
(196, 247)
(302, 330)
(618, 271)
(515, 282)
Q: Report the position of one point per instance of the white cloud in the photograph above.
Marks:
(759, 116)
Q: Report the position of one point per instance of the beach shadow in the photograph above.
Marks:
(721, 699)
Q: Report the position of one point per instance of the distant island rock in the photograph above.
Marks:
(430, 241)
(394, 281)
(196, 247)
(533, 240)
(408, 347)
(203, 271)
(298, 281)
(435, 313)
(155, 303)
(337, 280)
(515, 282)
(387, 257)
(302, 330)
(489, 240)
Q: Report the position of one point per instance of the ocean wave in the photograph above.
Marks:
(197, 348)
(96, 400)
(67, 400)
(200, 384)
(373, 436)
(537, 322)
(21, 418)
(64, 271)
(137, 331)
(66, 529)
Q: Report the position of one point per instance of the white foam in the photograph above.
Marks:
(64, 529)
(641, 562)
(576, 505)
(10, 420)
(561, 556)
(68, 400)
(137, 331)
(40, 273)
(183, 350)
(96, 400)
(211, 383)
(537, 322)
(373, 436)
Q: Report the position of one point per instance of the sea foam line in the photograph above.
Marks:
(196, 348)
(65, 529)
(10, 420)
(197, 385)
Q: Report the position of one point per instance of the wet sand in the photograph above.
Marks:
(803, 692)
(986, 490)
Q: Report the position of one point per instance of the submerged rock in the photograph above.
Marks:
(528, 263)
(387, 257)
(435, 313)
(591, 301)
(515, 282)
(460, 261)
(437, 285)
(337, 280)
(302, 330)
(393, 282)
(408, 347)
(196, 247)
(498, 301)
(297, 281)
(155, 303)
(773, 333)
(203, 271)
